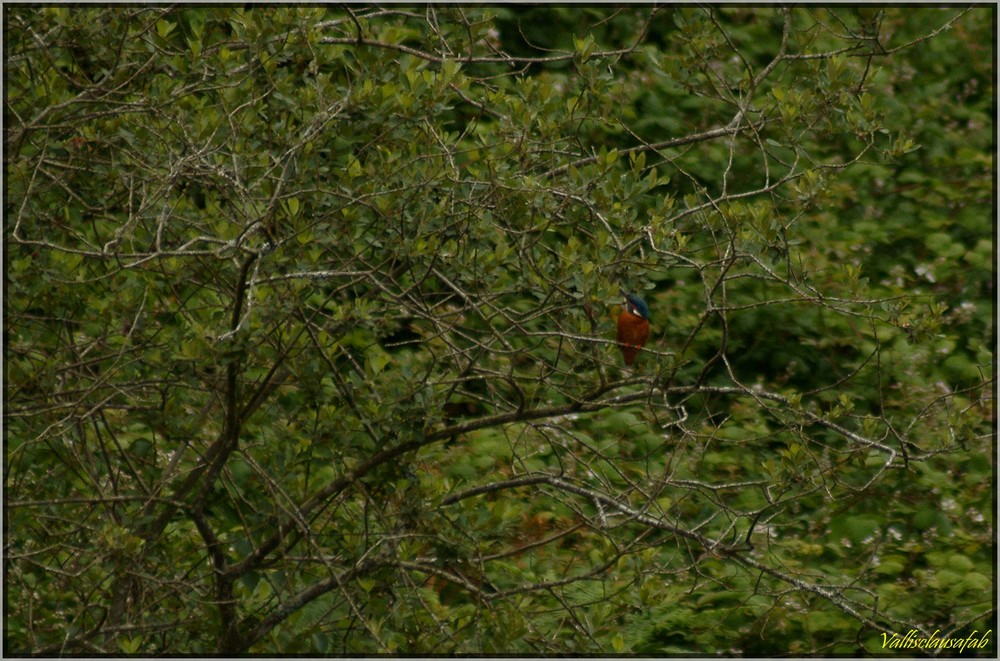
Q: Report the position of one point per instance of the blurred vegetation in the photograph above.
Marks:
(309, 329)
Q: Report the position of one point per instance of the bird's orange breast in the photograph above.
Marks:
(633, 331)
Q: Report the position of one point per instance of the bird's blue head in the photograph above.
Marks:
(635, 305)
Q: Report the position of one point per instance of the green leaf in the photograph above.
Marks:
(164, 28)
(130, 645)
(354, 168)
(376, 359)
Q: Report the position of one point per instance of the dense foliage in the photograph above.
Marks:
(309, 329)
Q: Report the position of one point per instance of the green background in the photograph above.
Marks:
(309, 320)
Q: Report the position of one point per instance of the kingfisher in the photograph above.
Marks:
(633, 326)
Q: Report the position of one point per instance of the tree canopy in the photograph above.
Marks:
(309, 329)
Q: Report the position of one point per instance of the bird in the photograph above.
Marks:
(633, 326)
